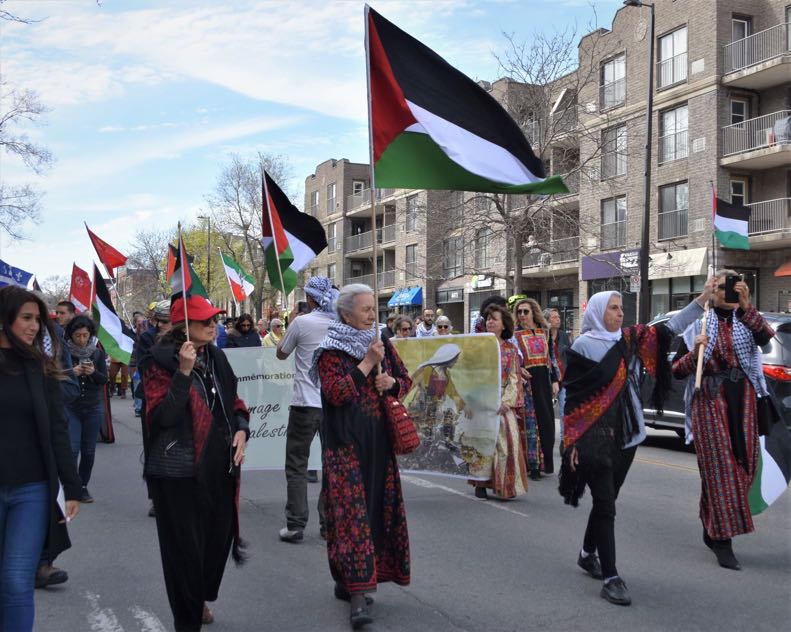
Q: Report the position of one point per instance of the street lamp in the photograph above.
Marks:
(208, 252)
(645, 294)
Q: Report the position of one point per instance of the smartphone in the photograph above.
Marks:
(302, 307)
(86, 362)
(730, 292)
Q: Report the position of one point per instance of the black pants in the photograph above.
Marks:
(605, 482)
(195, 529)
(303, 424)
(545, 415)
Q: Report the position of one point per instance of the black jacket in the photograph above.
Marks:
(238, 340)
(53, 438)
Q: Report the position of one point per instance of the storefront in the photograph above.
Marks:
(407, 301)
(676, 278)
(481, 287)
(614, 271)
(451, 301)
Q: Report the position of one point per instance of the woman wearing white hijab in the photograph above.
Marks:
(603, 417)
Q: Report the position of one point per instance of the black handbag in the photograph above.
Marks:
(172, 455)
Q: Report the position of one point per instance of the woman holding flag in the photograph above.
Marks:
(724, 412)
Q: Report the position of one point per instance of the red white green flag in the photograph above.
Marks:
(242, 284)
(435, 128)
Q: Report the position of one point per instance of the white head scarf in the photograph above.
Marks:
(593, 318)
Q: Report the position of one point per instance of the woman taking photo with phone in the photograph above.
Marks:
(85, 414)
(34, 455)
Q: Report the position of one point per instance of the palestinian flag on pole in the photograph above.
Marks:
(291, 239)
(435, 128)
(774, 469)
(108, 255)
(242, 284)
(197, 286)
(116, 338)
(730, 224)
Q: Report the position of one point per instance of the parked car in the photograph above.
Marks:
(777, 370)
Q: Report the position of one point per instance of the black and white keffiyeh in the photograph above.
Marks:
(342, 337)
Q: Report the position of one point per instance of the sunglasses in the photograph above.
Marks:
(406, 329)
(522, 311)
(277, 326)
(208, 321)
(443, 326)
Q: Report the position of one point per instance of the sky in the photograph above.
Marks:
(148, 99)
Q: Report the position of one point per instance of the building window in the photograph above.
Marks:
(453, 257)
(613, 222)
(314, 203)
(411, 262)
(456, 209)
(330, 198)
(358, 186)
(672, 65)
(331, 272)
(483, 248)
(740, 111)
(612, 84)
(613, 156)
(673, 134)
(673, 210)
(332, 242)
(740, 191)
(741, 27)
(411, 213)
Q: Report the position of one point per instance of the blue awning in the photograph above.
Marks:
(406, 296)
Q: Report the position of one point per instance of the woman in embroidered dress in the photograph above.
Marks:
(509, 475)
(723, 413)
(367, 537)
(532, 338)
(198, 428)
(603, 418)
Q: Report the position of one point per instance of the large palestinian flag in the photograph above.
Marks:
(291, 238)
(115, 336)
(774, 469)
(435, 128)
(731, 224)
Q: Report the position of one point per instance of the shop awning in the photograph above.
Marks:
(406, 296)
(784, 270)
(678, 263)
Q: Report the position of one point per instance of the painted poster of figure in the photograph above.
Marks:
(453, 402)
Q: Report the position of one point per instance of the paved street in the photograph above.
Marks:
(477, 565)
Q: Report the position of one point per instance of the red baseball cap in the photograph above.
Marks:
(198, 308)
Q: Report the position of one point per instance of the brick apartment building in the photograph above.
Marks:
(721, 121)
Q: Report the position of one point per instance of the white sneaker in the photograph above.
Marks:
(287, 535)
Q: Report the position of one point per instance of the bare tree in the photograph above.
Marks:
(55, 288)
(236, 207)
(148, 255)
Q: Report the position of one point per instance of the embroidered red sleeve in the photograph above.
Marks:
(336, 384)
(753, 320)
(647, 345)
(156, 382)
(685, 365)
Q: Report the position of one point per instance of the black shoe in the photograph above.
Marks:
(724, 552)
(590, 565)
(313, 476)
(344, 595)
(85, 496)
(535, 475)
(615, 591)
(360, 617)
(480, 492)
(48, 575)
(292, 536)
(707, 540)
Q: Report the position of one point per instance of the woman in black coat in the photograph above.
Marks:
(198, 428)
(243, 334)
(34, 454)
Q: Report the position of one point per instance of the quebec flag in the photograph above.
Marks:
(9, 275)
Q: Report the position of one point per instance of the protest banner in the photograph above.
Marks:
(266, 385)
(453, 401)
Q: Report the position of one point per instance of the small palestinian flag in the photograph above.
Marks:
(774, 469)
(291, 238)
(435, 128)
(197, 286)
(242, 284)
(108, 255)
(730, 224)
(115, 336)
(181, 277)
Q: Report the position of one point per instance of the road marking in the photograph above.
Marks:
(149, 622)
(685, 468)
(422, 482)
(101, 619)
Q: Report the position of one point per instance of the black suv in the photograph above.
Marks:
(777, 370)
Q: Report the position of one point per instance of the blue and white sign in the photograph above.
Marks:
(9, 275)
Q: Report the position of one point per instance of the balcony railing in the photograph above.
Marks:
(757, 48)
(612, 94)
(770, 216)
(613, 235)
(564, 250)
(673, 146)
(362, 199)
(673, 223)
(671, 70)
(388, 234)
(363, 241)
(386, 279)
(757, 133)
